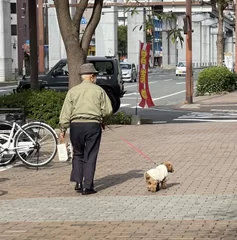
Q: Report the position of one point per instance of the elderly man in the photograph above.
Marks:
(83, 110)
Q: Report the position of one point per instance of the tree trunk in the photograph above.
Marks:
(75, 57)
(220, 37)
(76, 48)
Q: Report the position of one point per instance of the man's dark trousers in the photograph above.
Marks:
(85, 138)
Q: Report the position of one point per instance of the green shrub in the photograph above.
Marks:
(215, 80)
(46, 106)
(39, 105)
(120, 118)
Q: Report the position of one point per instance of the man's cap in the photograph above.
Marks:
(87, 68)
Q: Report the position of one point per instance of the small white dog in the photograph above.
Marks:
(155, 176)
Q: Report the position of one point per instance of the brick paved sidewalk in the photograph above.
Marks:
(221, 102)
(199, 203)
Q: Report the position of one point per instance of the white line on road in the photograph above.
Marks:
(204, 120)
(128, 94)
(127, 98)
(180, 83)
(167, 80)
(137, 106)
(170, 95)
(9, 87)
(222, 110)
(124, 105)
(137, 85)
(220, 105)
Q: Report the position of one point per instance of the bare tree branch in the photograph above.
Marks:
(82, 5)
(64, 18)
(91, 26)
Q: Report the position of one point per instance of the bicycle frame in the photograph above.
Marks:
(9, 145)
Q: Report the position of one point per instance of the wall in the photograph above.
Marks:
(135, 35)
(106, 39)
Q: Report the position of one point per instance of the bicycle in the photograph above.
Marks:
(26, 142)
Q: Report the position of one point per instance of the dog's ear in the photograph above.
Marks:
(169, 166)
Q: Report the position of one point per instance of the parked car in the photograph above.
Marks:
(129, 72)
(109, 78)
(181, 69)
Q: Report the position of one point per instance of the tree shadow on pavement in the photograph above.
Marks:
(116, 179)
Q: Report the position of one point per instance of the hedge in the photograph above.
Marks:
(215, 80)
(46, 105)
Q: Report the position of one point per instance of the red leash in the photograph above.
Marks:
(136, 149)
(139, 151)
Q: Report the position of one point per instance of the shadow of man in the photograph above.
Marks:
(115, 179)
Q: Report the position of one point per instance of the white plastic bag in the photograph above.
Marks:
(62, 151)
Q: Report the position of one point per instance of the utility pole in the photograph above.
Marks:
(32, 13)
(188, 26)
(41, 36)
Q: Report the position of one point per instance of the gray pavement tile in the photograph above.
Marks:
(94, 208)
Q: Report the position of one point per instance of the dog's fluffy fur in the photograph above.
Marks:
(158, 176)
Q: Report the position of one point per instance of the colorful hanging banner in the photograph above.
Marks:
(143, 76)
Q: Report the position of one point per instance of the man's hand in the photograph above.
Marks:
(61, 137)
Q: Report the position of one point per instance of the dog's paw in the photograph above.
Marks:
(163, 185)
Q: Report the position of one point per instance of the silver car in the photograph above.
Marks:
(129, 72)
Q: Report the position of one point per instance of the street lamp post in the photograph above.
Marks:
(189, 82)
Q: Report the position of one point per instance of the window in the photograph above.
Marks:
(25, 29)
(61, 70)
(125, 66)
(182, 64)
(13, 30)
(104, 67)
(24, 9)
(13, 8)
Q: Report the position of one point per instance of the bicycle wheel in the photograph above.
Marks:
(5, 157)
(44, 149)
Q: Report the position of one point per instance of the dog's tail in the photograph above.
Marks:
(146, 176)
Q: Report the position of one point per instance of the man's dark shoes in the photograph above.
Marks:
(87, 191)
(78, 187)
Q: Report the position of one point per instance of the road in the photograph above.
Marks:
(7, 89)
(165, 89)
